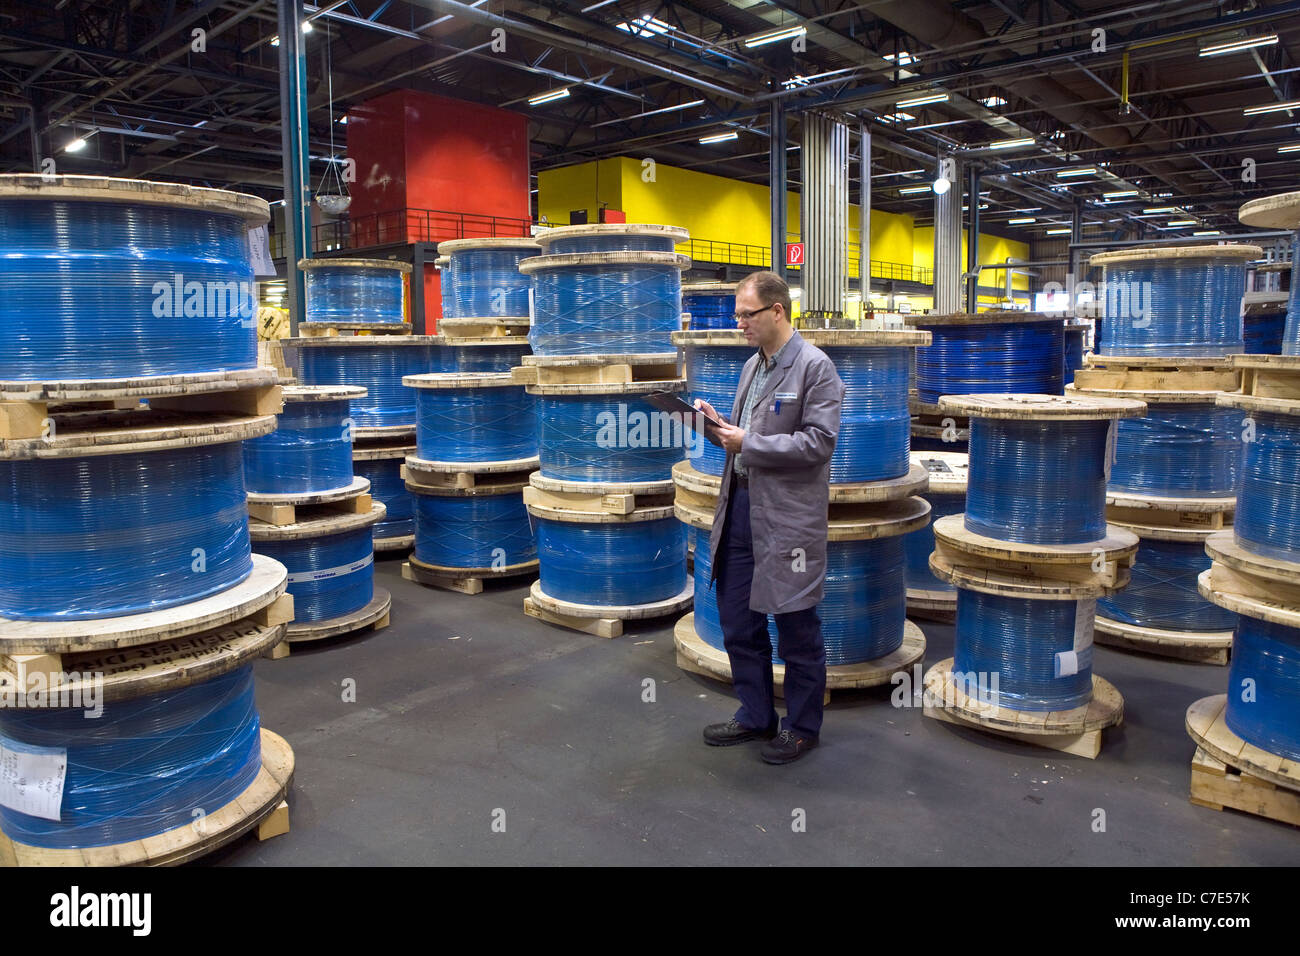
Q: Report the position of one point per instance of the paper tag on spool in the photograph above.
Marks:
(31, 778)
(532, 317)
(1112, 433)
(1079, 657)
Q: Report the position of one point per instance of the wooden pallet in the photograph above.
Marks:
(510, 328)
(290, 509)
(698, 657)
(596, 369)
(461, 580)
(389, 545)
(374, 615)
(932, 605)
(1076, 731)
(332, 329)
(262, 807)
(1217, 785)
(484, 477)
(83, 434)
(600, 621)
(1208, 728)
(1201, 514)
(1270, 377)
(1211, 647)
(607, 502)
(1156, 374)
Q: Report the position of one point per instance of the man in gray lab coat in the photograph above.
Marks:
(768, 546)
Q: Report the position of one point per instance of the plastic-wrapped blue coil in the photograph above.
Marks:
(101, 290)
(1178, 451)
(608, 565)
(1268, 500)
(875, 426)
(310, 450)
(610, 242)
(713, 372)
(1004, 358)
(473, 531)
(379, 369)
(488, 282)
(143, 766)
(1162, 593)
(447, 288)
(708, 626)
(354, 294)
(1075, 337)
(601, 309)
(1291, 335)
(1263, 712)
(475, 424)
(710, 310)
(329, 576)
(84, 538)
(388, 487)
(1263, 331)
(1037, 482)
(1028, 655)
(609, 438)
(919, 544)
(1189, 307)
(487, 358)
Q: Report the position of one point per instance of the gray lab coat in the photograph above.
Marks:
(787, 455)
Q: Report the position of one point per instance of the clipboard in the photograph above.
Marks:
(690, 415)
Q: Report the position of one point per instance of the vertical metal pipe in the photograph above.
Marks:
(973, 239)
(864, 215)
(293, 146)
(778, 178)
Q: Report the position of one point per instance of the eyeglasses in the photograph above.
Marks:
(747, 316)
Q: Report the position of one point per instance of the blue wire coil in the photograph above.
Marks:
(354, 294)
(488, 282)
(1291, 335)
(708, 624)
(1268, 655)
(920, 443)
(1268, 501)
(329, 576)
(488, 358)
(1188, 307)
(473, 531)
(609, 438)
(475, 424)
(1178, 451)
(875, 426)
(447, 290)
(919, 544)
(710, 310)
(1075, 337)
(1002, 358)
(84, 538)
(113, 290)
(616, 242)
(713, 372)
(1162, 592)
(1025, 649)
(310, 450)
(379, 369)
(1037, 482)
(388, 487)
(144, 765)
(599, 309)
(1263, 331)
(608, 565)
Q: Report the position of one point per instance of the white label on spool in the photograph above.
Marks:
(31, 778)
(1112, 433)
(532, 317)
(1068, 663)
(300, 576)
(259, 248)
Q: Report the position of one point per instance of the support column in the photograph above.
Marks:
(825, 204)
(864, 215)
(947, 242)
(973, 239)
(293, 145)
(777, 165)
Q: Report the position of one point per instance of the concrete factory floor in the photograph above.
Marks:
(466, 708)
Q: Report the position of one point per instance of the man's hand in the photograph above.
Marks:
(731, 437)
(709, 410)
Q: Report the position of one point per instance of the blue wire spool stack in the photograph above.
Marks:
(1076, 346)
(927, 595)
(486, 292)
(1029, 558)
(1263, 317)
(871, 508)
(355, 295)
(312, 514)
(991, 352)
(1280, 212)
(447, 294)
(476, 447)
(381, 463)
(127, 581)
(711, 305)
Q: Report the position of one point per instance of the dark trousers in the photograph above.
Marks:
(744, 633)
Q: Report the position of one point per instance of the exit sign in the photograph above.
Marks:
(794, 253)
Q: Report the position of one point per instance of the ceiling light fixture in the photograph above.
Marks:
(776, 37)
(1271, 108)
(1022, 221)
(1081, 171)
(1293, 148)
(719, 138)
(1120, 194)
(1157, 210)
(1207, 232)
(1182, 222)
(923, 100)
(1237, 45)
(549, 97)
(1013, 143)
(913, 190)
(992, 101)
(1058, 232)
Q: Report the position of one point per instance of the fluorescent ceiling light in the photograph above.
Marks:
(992, 101)
(1157, 210)
(1294, 147)
(76, 145)
(1236, 46)
(901, 59)
(899, 117)
(1013, 143)
(1022, 221)
(913, 190)
(1120, 194)
(719, 138)
(1271, 108)
(1207, 232)
(1164, 195)
(1081, 171)
(307, 27)
(644, 26)
(1182, 222)
(550, 97)
(786, 34)
(1059, 134)
(1058, 232)
(923, 100)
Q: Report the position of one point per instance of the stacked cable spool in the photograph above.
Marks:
(313, 515)
(1248, 741)
(1029, 558)
(929, 596)
(606, 299)
(487, 297)
(1176, 468)
(447, 295)
(1076, 346)
(381, 463)
(127, 579)
(476, 447)
(710, 305)
(355, 295)
(871, 507)
(992, 352)
(1263, 316)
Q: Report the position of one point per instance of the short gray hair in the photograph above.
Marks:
(769, 287)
